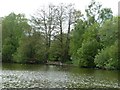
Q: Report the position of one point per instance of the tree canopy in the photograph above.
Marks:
(62, 33)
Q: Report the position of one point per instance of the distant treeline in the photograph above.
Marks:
(62, 33)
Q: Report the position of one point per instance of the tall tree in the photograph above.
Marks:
(13, 27)
(95, 13)
(52, 22)
(108, 55)
(92, 22)
(72, 17)
(67, 17)
(61, 16)
(45, 22)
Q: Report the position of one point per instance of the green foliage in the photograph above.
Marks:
(56, 52)
(108, 33)
(108, 57)
(39, 46)
(94, 45)
(31, 49)
(8, 49)
(12, 28)
(76, 39)
(92, 42)
(23, 53)
(90, 46)
(99, 46)
(87, 53)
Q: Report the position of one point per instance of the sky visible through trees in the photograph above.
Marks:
(64, 34)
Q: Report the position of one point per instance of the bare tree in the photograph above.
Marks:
(44, 21)
(55, 21)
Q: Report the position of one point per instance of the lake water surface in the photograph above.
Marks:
(49, 76)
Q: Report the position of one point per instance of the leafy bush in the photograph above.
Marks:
(87, 53)
(108, 57)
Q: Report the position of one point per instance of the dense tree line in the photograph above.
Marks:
(94, 41)
(62, 33)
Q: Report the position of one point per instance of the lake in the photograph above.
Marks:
(49, 76)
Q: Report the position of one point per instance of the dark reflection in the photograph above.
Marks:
(7, 66)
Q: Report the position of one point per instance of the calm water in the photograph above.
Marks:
(48, 76)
